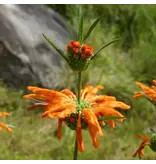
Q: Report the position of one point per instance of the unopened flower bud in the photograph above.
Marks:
(153, 142)
(76, 44)
(79, 55)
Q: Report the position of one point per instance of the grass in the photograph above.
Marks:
(35, 138)
(117, 67)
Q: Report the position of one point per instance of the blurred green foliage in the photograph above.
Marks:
(117, 67)
(132, 22)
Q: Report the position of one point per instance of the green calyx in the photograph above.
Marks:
(83, 104)
(71, 121)
(153, 142)
(78, 65)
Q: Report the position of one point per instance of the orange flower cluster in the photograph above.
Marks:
(147, 91)
(79, 51)
(86, 114)
(145, 142)
(2, 125)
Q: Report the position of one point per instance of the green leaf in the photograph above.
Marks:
(70, 31)
(80, 25)
(104, 47)
(109, 118)
(92, 28)
(55, 47)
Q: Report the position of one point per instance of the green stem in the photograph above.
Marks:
(75, 150)
(79, 86)
(79, 90)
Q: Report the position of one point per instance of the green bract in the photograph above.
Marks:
(153, 142)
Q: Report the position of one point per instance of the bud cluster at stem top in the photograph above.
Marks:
(78, 51)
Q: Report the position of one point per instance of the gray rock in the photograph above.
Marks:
(25, 57)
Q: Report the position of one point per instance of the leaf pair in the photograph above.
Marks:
(82, 38)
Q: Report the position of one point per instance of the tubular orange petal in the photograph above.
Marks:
(37, 89)
(31, 88)
(96, 89)
(93, 134)
(37, 106)
(90, 91)
(137, 94)
(91, 118)
(150, 92)
(111, 123)
(59, 114)
(51, 93)
(29, 96)
(46, 92)
(117, 104)
(140, 151)
(85, 91)
(68, 93)
(145, 138)
(45, 114)
(59, 132)
(144, 143)
(5, 127)
(104, 98)
(93, 126)
(154, 88)
(101, 99)
(34, 96)
(142, 86)
(61, 107)
(107, 111)
(4, 114)
(79, 134)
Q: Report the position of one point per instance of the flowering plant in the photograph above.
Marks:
(85, 109)
(2, 125)
(150, 94)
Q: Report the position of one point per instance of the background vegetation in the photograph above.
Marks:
(117, 67)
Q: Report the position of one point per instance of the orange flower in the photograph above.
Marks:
(140, 151)
(2, 125)
(150, 92)
(86, 114)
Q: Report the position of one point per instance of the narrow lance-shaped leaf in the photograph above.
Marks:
(109, 118)
(55, 47)
(92, 28)
(80, 25)
(70, 31)
(104, 47)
